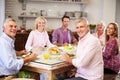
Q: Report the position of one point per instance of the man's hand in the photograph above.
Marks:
(31, 57)
(22, 52)
(66, 58)
(71, 73)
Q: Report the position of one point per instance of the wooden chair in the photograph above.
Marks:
(21, 79)
(109, 76)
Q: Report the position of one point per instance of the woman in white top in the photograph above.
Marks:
(38, 38)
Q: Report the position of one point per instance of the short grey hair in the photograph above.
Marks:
(7, 20)
(82, 19)
(103, 24)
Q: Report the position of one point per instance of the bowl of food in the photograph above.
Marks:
(69, 47)
(71, 55)
(54, 50)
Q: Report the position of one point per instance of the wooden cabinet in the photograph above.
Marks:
(20, 41)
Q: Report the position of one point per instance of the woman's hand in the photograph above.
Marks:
(35, 49)
(65, 44)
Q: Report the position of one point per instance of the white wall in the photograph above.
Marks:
(118, 15)
(97, 10)
(2, 14)
(13, 8)
(101, 10)
(109, 10)
(56, 8)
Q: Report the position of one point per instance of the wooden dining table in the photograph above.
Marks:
(50, 71)
(51, 66)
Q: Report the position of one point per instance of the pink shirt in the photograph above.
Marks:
(37, 39)
(89, 61)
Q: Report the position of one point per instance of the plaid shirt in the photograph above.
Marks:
(111, 55)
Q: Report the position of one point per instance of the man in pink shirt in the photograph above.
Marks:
(88, 61)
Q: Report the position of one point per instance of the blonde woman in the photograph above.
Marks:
(38, 37)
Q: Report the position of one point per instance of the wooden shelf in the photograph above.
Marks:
(82, 4)
(48, 17)
(58, 1)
